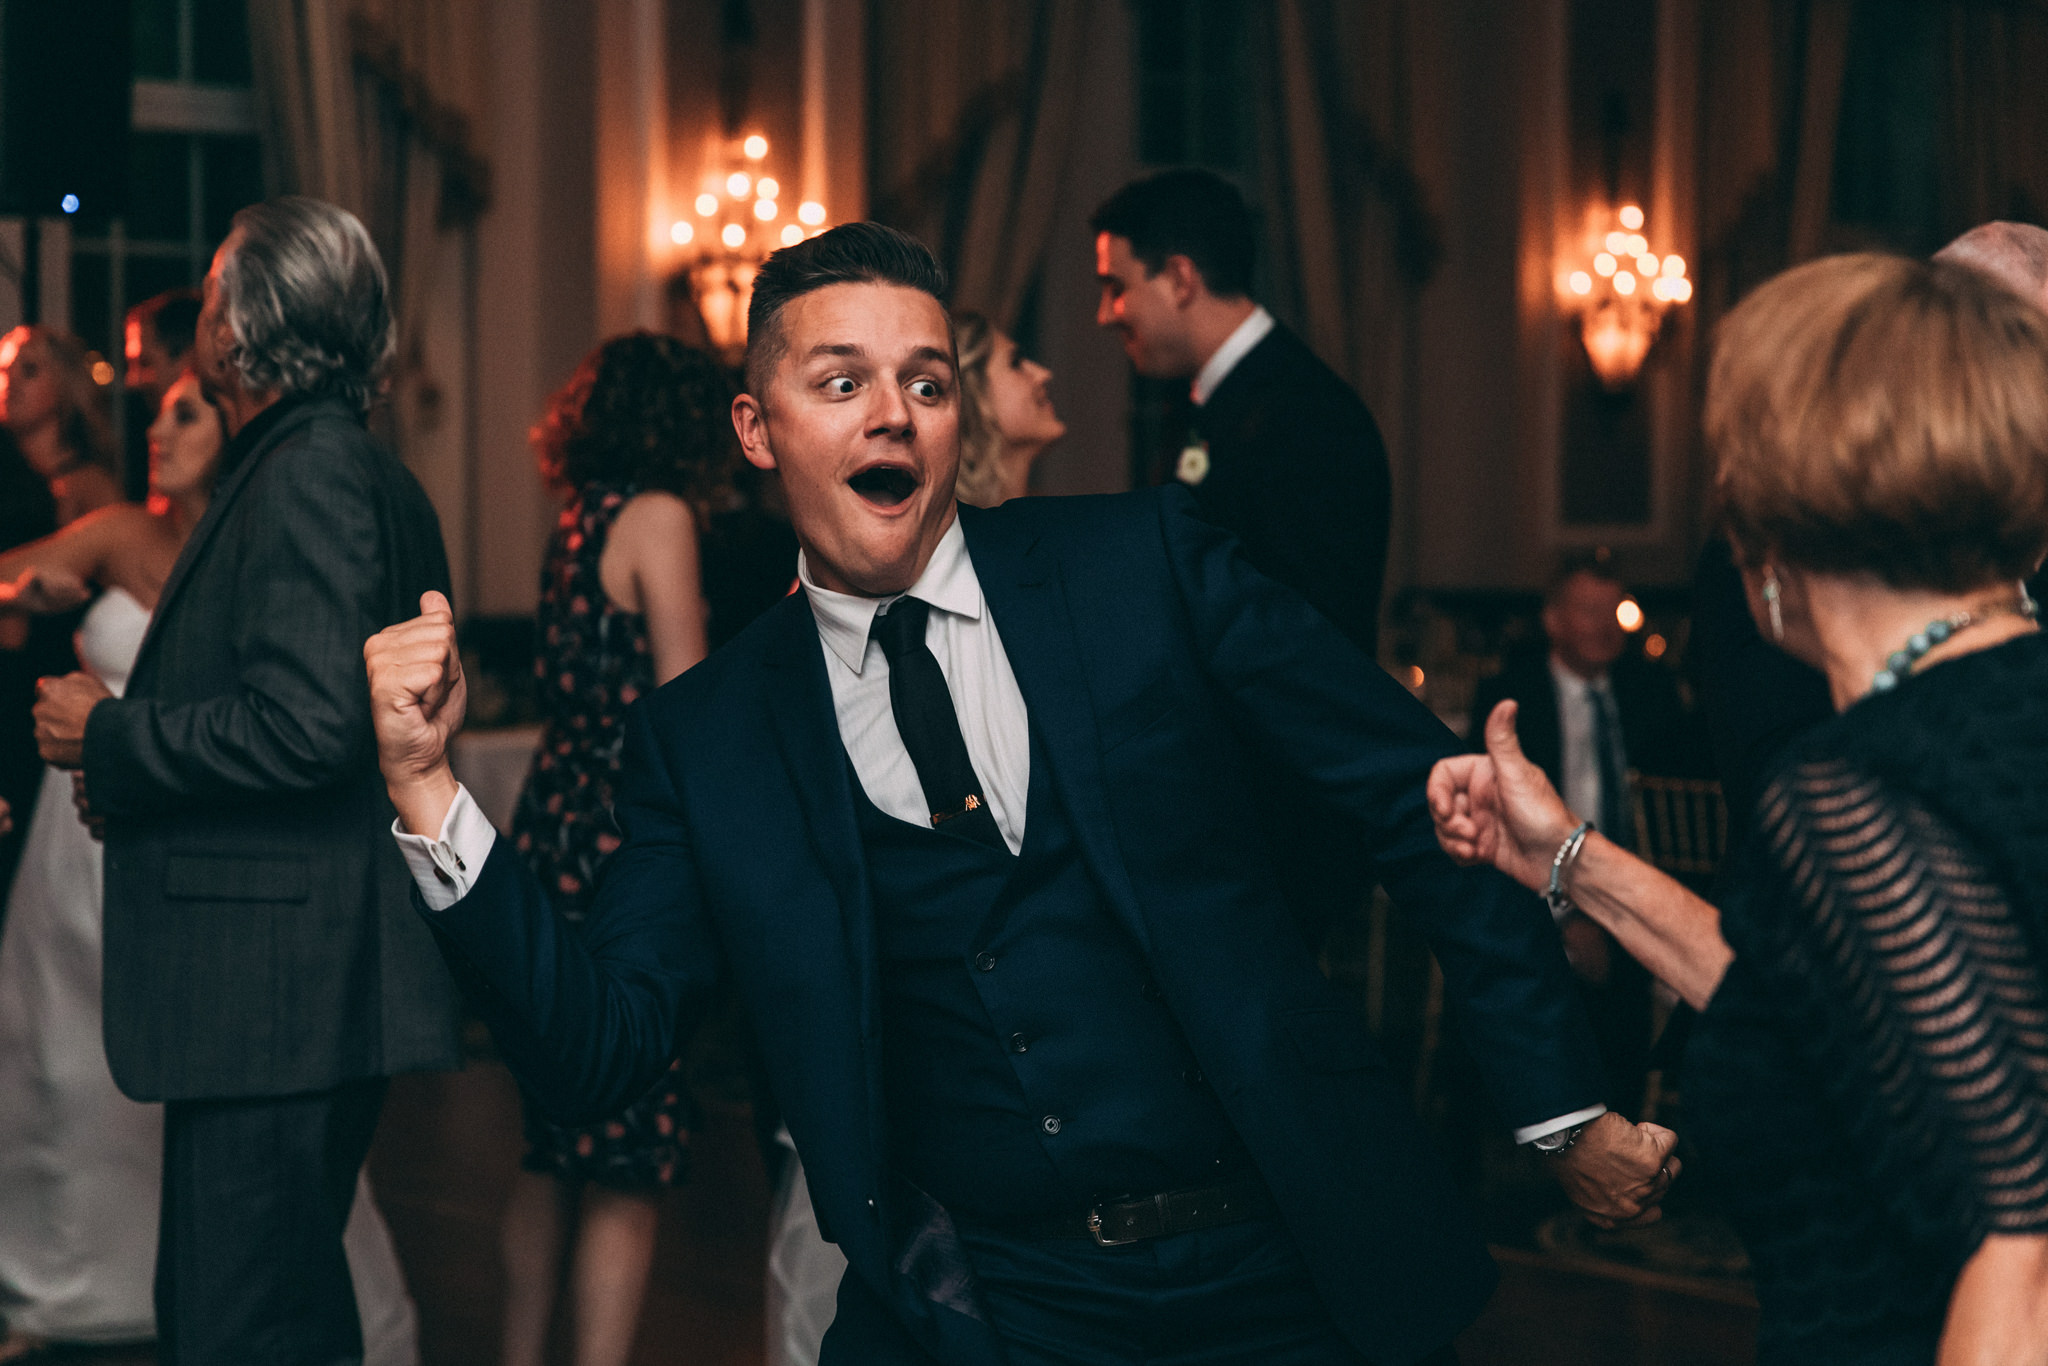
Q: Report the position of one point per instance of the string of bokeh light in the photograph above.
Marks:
(739, 221)
(1620, 293)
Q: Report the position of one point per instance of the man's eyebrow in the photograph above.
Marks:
(836, 349)
(933, 353)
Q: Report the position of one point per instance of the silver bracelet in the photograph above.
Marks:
(1567, 855)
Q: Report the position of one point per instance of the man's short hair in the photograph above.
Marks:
(1592, 564)
(1191, 213)
(2013, 254)
(173, 316)
(850, 254)
(305, 295)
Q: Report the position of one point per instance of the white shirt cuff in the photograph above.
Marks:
(1529, 1133)
(445, 867)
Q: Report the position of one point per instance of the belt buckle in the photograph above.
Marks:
(1095, 1231)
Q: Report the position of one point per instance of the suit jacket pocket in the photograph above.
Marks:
(1133, 716)
(1332, 1040)
(231, 877)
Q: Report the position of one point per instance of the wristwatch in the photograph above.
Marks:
(1551, 1144)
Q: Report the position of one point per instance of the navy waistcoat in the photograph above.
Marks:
(1030, 1066)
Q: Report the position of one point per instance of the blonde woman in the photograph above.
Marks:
(1869, 1077)
(1006, 414)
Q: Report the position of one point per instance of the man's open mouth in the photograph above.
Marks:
(884, 485)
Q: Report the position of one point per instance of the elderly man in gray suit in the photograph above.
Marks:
(265, 971)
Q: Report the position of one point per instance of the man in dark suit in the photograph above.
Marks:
(966, 823)
(1589, 710)
(1284, 455)
(265, 972)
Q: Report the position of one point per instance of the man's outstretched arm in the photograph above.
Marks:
(1330, 715)
(587, 1021)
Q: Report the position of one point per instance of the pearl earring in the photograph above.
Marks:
(1774, 593)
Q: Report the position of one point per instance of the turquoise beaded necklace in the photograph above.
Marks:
(1935, 632)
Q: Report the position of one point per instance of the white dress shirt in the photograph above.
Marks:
(1235, 348)
(961, 634)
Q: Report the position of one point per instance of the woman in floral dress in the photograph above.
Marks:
(640, 444)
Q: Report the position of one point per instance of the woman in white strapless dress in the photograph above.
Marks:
(80, 1164)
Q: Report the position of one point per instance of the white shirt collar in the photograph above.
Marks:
(1235, 348)
(1569, 682)
(844, 619)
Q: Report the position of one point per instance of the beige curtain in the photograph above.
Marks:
(974, 122)
(371, 104)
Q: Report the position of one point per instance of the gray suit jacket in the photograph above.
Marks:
(260, 937)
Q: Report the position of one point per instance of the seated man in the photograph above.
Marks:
(966, 821)
(1590, 710)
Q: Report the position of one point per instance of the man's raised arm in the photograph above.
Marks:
(587, 1021)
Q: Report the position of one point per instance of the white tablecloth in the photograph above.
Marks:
(492, 764)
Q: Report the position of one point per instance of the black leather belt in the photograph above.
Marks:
(1155, 1216)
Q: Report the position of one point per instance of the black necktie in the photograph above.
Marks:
(929, 726)
(1615, 818)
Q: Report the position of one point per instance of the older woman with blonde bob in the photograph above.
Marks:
(1869, 1077)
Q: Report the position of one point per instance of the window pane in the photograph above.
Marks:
(220, 41)
(155, 27)
(159, 186)
(234, 178)
(89, 301)
(149, 276)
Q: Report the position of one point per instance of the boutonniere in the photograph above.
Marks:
(1193, 466)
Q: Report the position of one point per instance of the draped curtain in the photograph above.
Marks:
(1995, 143)
(1350, 237)
(371, 104)
(973, 124)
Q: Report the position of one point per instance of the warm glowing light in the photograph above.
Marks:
(1637, 245)
(767, 188)
(734, 236)
(1655, 645)
(1617, 243)
(1603, 265)
(1624, 284)
(1416, 678)
(1661, 289)
(1581, 282)
(764, 209)
(132, 347)
(792, 234)
(707, 204)
(681, 233)
(755, 147)
(811, 212)
(1681, 290)
(102, 373)
(1674, 266)
(738, 183)
(1646, 266)
(1629, 614)
(1631, 217)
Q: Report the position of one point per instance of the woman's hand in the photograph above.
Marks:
(1998, 1311)
(1498, 808)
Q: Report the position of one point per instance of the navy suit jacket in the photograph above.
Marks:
(1159, 669)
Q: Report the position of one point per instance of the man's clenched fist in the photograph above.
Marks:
(417, 696)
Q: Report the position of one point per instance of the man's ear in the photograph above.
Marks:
(1184, 280)
(750, 422)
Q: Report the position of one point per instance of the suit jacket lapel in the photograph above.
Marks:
(223, 497)
(799, 699)
(1022, 584)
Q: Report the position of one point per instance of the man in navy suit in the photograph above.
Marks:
(966, 821)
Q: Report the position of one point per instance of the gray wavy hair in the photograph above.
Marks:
(304, 292)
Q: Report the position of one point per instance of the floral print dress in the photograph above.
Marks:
(593, 660)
